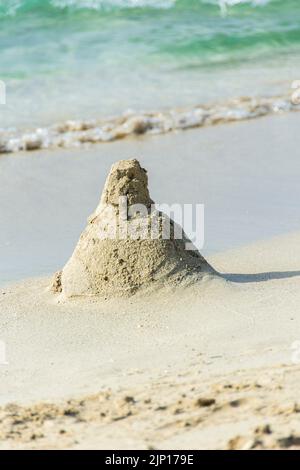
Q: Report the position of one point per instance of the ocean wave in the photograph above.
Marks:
(232, 3)
(104, 4)
(12, 7)
(79, 133)
(226, 4)
(99, 4)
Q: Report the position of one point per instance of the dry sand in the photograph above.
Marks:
(206, 366)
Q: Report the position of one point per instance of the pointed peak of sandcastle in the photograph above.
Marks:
(118, 254)
(127, 178)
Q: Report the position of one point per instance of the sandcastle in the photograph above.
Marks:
(124, 248)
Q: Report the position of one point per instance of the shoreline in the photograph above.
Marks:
(245, 174)
(82, 133)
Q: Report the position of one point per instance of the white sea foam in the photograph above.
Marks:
(82, 132)
(99, 4)
(225, 4)
(11, 7)
(102, 4)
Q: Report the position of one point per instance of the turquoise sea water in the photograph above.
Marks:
(68, 59)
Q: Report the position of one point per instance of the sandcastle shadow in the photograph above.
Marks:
(260, 277)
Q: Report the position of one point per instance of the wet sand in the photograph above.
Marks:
(246, 174)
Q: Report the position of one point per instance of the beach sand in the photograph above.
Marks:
(212, 365)
(209, 366)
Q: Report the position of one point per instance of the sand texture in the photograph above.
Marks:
(208, 365)
(254, 409)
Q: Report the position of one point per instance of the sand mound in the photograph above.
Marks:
(128, 245)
